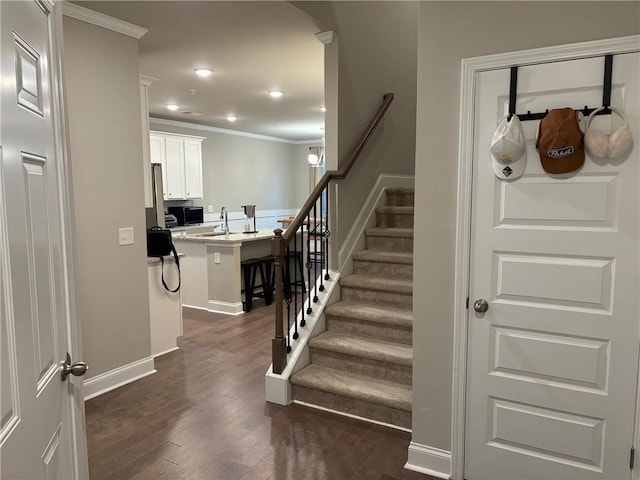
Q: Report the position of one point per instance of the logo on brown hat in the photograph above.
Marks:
(560, 142)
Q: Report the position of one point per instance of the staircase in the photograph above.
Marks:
(361, 365)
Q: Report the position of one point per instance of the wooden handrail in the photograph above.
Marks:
(280, 242)
(343, 170)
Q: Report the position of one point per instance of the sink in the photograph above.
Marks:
(214, 234)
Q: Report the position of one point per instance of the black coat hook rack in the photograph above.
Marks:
(586, 111)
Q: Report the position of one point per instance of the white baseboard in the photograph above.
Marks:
(228, 308)
(429, 460)
(367, 217)
(118, 377)
(350, 415)
(168, 350)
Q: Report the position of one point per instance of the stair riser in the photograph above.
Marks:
(352, 406)
(352, 326)
(394, 220)
(393, 244)
(400, 199)
(383, 269)
(386, 371)
(376, 297)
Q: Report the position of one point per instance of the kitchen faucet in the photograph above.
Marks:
(224, 216)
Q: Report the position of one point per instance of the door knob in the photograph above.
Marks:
(76, 369)
(480, 305)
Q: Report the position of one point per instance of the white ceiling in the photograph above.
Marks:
(254, 47)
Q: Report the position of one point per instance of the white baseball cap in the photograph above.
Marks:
(509, 149)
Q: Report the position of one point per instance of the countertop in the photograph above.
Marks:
(234, 237)
(196, 227)
(167, 259)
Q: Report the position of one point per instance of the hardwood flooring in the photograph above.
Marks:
(204, 416)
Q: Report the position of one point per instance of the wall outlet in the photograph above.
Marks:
(216, 257)
(125, 236)
(209, 208)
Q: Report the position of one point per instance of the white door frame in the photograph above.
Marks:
(74, 400)
(74, 338)
(471, 67)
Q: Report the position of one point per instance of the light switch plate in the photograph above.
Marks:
(216, 257)
(209, 208)
(125, 236)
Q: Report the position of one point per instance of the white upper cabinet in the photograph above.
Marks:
(156, 155)
(193, 168)
(181, 159)
(174, 167)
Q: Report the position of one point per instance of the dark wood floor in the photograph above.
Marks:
(204, 416)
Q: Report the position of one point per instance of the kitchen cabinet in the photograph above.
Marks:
(181, 159)
(193, 168)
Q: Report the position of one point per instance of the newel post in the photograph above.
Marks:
(278, 344)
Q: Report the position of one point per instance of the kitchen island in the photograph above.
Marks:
(211, 273)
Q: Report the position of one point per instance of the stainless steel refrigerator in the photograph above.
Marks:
(155, 214)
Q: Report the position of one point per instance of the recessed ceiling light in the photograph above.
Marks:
(232, 118)
(173, 107)
(323, 108)
(203, 72)
(276, 93)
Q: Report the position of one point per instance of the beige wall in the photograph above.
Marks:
(377, 48)
(103, 105)
(450, 31)
(239, 170)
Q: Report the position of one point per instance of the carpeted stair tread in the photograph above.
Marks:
(378, 350)
(389, 232)
(395, 210)
(370, 313)
(389, 394)
(400, 189)
(368, 282)
(383, 256)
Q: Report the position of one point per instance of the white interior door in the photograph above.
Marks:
(552, 364)
(40, 414)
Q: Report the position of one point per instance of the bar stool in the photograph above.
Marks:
(250, 269)
(287, 279)
(297, 257)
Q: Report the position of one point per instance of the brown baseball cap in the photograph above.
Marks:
(560, 142)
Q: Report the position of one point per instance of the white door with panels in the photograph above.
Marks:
(41, 417)
(553, 363)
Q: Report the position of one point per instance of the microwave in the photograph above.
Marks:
(187, 215)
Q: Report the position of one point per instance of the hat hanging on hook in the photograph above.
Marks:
(601, 145)
(509, 149)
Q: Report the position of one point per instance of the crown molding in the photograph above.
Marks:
(102, 20)
(146, 80)
(46, 5)
(208, 128)
(327, 37)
